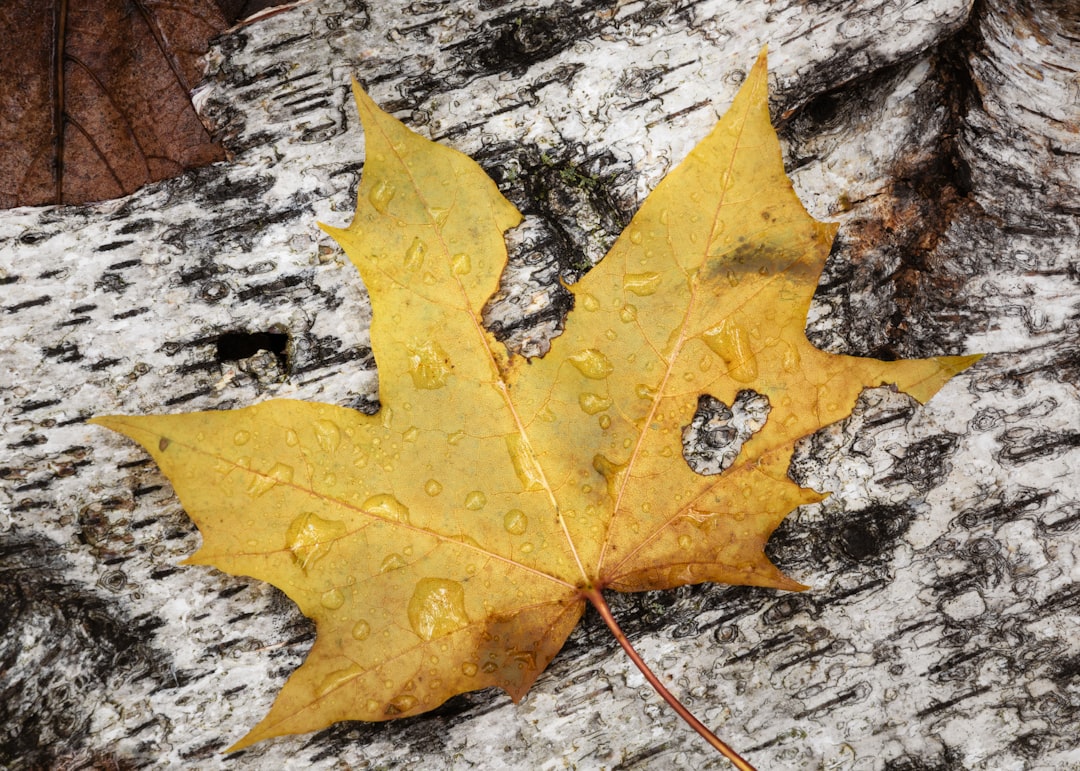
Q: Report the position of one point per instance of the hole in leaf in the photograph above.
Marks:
(718, 431)
(235, 346)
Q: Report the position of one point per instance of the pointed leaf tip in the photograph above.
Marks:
(332, 230)
(363, 101)
(948, 368)
(118, 423)
(243, 743)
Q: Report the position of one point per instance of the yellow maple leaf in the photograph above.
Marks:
(451, 542)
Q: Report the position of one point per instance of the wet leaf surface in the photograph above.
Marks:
(450, 542)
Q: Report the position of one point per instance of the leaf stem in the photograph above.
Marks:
(597, 599)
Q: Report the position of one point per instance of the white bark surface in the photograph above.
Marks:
(941, 630)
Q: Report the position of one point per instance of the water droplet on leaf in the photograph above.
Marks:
(391, 562)
(310, 537)
(592, 364)
(612, 472)
(327, 434)
(468, 541)
(381, 195)
(437, 608)
(791, 361)
(338, 678)
(628, 313)
(429, 366)
(731, 343)
(261, 484)
(593, 403)
(475, 500)
(414, 255)
(461, 263)
(400, 704)
(432, 487)
(643, 391)
(241, 438)
(468, 669)
(642, 284)
(332, 599)
(361, 630)
(386, 506)
(515, 522)
(440, 214)
(525, 464)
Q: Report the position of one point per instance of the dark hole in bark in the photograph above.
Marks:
(234, 346)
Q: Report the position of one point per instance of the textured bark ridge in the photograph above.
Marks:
(939, 631)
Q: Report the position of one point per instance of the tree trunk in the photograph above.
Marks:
(940, 630)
